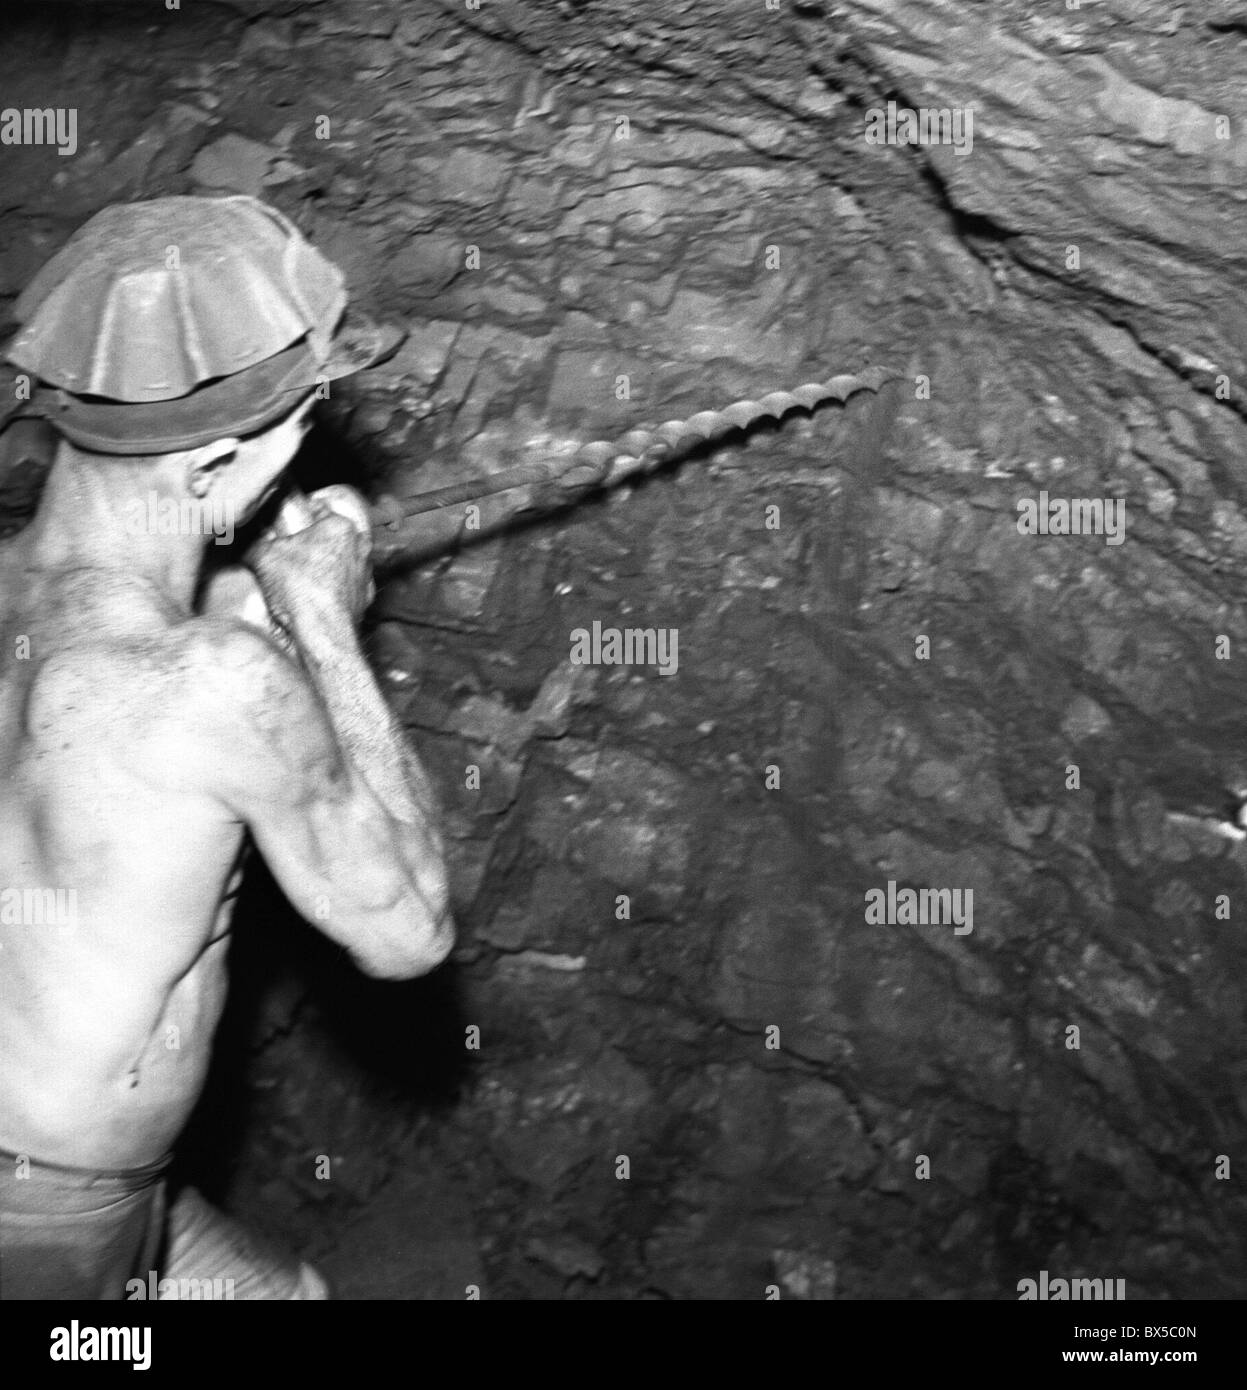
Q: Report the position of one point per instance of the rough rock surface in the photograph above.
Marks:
(686, 199)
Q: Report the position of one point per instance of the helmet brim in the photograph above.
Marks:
(236, 405)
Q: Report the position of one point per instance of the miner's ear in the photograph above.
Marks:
(205, 461)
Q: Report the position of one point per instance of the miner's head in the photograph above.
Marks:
(190, 333)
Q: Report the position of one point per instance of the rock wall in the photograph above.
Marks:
(662, 882)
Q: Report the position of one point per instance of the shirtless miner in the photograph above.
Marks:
(150, 721)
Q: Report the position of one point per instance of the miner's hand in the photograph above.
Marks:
(316, 555)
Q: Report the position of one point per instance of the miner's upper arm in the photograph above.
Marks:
(265, 748)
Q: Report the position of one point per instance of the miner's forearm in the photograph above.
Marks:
(367, 730)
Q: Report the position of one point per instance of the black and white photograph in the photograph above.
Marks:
(623, 669)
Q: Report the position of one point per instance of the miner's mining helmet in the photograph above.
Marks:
(167, 324)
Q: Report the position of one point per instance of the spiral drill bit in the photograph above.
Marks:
(606, 463)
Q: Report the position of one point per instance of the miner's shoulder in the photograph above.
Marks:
(228, 658)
